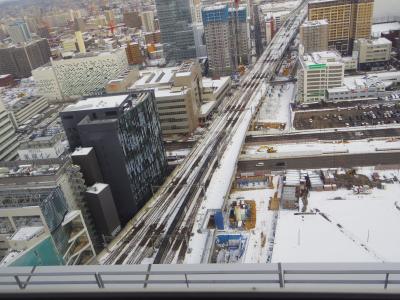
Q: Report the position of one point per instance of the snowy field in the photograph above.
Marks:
(276, 109)
(360, 228)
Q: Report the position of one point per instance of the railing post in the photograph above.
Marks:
(29, 278)
(386, 280)
(147, 276)
(99, 280)
(20, 285)
(187, 282)
(281, 276)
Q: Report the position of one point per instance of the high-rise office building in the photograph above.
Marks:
(348, 20)
(176, 32)
(314, 36)
(239, 30)
(227, 35)
(216, 30)
(125, 132)
(147, 18)
(19, 61)
(19, 32)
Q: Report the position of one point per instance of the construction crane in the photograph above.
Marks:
(112, 26)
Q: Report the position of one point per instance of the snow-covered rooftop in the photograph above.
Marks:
(315, 23)
(378, 29)
(27, 233)
(155, 77)
(96, 188)
(207, 107)
(98, 103)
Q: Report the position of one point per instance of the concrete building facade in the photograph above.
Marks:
(179, 95)
(132, 19)
(314, 36)
(42, 148)
(372, 53)
(26, 108)
(19, 32)
(8, 138)
(20, 60)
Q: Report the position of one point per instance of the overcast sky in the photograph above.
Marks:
(385, 8)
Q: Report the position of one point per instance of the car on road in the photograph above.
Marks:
(260, 164)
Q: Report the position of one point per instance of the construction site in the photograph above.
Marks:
(262, 204)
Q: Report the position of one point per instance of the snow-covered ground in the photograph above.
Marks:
(276, 109)
(360, 228)
(178, 152)
(321, 147)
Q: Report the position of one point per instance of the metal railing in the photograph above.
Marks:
(139, 277)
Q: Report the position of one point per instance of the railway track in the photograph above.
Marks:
(161, 232)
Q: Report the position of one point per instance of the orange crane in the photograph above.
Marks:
(112, 26)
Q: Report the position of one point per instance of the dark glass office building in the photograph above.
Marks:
(176, 29)
(125, 132)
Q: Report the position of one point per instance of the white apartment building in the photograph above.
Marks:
(8, 137)
(318, 72)
(81, 75)
(372, 52)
